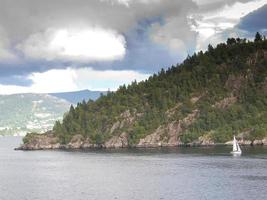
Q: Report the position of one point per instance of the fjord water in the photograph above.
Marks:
(178, 173)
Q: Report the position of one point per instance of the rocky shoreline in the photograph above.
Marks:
(48, 141)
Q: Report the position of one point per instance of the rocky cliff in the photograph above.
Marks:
(164, 136)
(205, 100)
(50, 142)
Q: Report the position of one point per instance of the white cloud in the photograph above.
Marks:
(170, 34)
(123, 2)
(108, 79)
(47, 30)
(71, 79)
(211, 23)
(83, 45)
(128, 2)
(53, 80)
(235, 11)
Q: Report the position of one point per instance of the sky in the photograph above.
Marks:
(65, 45)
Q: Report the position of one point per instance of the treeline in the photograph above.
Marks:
(237, 68)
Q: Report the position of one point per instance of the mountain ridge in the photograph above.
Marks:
(22, 113)
(207, 99)
(37, 112)
(78, 96)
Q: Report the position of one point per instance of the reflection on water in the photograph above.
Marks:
(254, 178)
(167, 173)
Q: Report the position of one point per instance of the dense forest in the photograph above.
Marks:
(226, 86)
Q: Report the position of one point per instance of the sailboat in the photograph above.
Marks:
(236, 148)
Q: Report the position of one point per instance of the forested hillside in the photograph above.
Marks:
(22, 113)
(209, 97)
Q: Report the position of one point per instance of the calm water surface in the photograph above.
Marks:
(179, 173)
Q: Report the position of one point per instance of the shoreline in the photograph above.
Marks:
(67, 147)
(50, 141)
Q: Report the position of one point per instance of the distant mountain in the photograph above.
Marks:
(78, 96)
(22, 113)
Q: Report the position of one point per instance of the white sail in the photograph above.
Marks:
(236, 147)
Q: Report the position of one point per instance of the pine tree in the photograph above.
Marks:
(258, 37)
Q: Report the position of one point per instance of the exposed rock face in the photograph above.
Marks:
(169, 135)
(115, 126)
(79, 142)
(164, 136)
(169, 113)
(243, 139)
(76, 142)
(225, 103)
(195, 99)
(42, 141)
(234, 83)
(156, 139)
(87, 144)
(153, 140)
(264, 141)
(257, 142)
(190, 118)
(50, 141)
(243, 142)
(125, 119)
(249, 142)
(120, 141)
(205, 140)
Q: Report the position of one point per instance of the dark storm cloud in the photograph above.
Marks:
(255, 21)
(22, 19)
(157, 32)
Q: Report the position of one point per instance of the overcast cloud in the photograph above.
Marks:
(137, 36)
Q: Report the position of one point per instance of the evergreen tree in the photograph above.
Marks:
(258, 37)
(204, 82)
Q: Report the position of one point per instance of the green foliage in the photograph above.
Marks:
(189, 137)
(27, 139)
(137, 133)
(97, 138)
(258, 133)
(258, 37)
(223, 134)
(237, 68)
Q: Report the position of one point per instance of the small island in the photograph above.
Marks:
(205, 100)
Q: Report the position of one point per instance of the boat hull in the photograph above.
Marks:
(236, 152)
